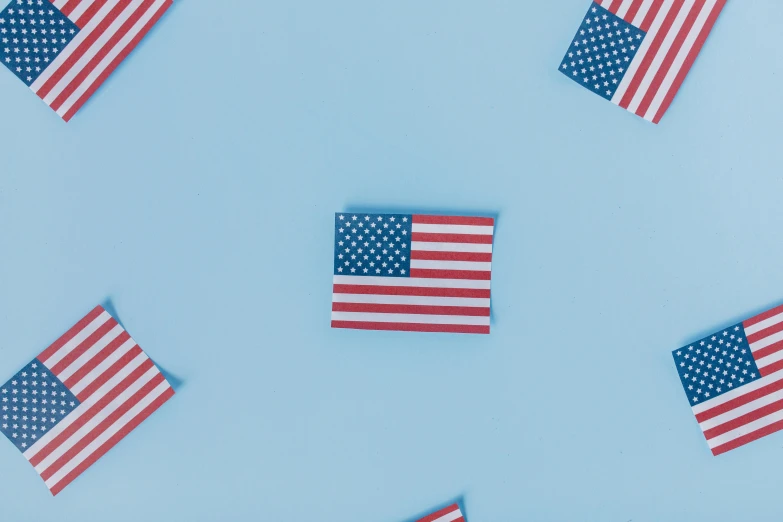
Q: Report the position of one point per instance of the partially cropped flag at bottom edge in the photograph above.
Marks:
(733, 380)
(80, 397)
(451, 513)
(412, 272)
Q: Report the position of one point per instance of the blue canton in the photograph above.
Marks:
(372, 244)
(32, 34)
(716, 364)
(33, 402)
(601, 51)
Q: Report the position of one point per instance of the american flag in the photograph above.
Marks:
(734, 381)
(80, 397)
(65, 49)
(447, 514)
(636, 53)
(412, 272)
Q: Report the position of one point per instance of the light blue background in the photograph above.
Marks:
(196, 191)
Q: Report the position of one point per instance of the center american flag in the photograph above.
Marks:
(636, 53)
(412, 272)
(734, 381)
(80, 397)
(65, 49)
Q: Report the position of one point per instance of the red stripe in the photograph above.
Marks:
(480, 275)
(482, 239)
(82, 48)
(69, 6)
(102, 426)
(88, 14)
(631, 13)
(739, 401)
(766, 332)
(472, 311)
(99, 357)
(111, 371)
(750, 437)
(768, 350)
(771, 368)
(440, 513)
(652, 51)
(85, 345)
(117, 60)
(615, 6)
(410, 290)
(70, 334)
(688, 63)
(92, 412)
(451, 256)
(744, 419)
(412, 327)
(109, 444)
(762, 316)
(422, 219)
(101, 54)
(650, 17)
(671, 54)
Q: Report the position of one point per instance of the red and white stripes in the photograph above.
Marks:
(448, 289)
(676, 31)
(117, 385)
(109, 30)
(451, 513)
(765, 337)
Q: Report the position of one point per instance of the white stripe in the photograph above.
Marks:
(90, 352)
(106, 435)
(451, 265)
(79, 10)
(737, 392)
(640, 54)
(107, 60)
(69, 49)
(448, 517)
(59, 3)
(745, 430)
(741, 410)
(115, 356)
(84, 406)
(410, 300)
(454, 229)
(659, 57)
(409, 318)
(763, 362)
(411, 281)
(77, 339)
(451, 247)
(642, 12)
(766, 341)
(90, 425)
(763, 325)
(624, 6)
(92, 51)
(606, 4)
(674, 70)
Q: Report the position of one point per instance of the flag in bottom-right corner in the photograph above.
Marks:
(734, 381)
(451, 513)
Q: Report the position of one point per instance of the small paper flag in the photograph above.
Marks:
(65, 49)
(636, 53)
(447, 514)
(412, 272)
(80, 397)
(734, 381)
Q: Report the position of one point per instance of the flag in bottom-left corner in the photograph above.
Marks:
(80, 397)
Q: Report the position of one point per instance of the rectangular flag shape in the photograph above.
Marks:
(734, 381)
(412, 272)
(65, 49)
(447, 514)
(636, 53)
(80, 397)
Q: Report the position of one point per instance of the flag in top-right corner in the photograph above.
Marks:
(636, 53)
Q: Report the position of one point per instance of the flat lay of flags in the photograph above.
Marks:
(80, 397)
(447, 514)
(65, 49)
(636, 53)
(411, 272)
(734, 381)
